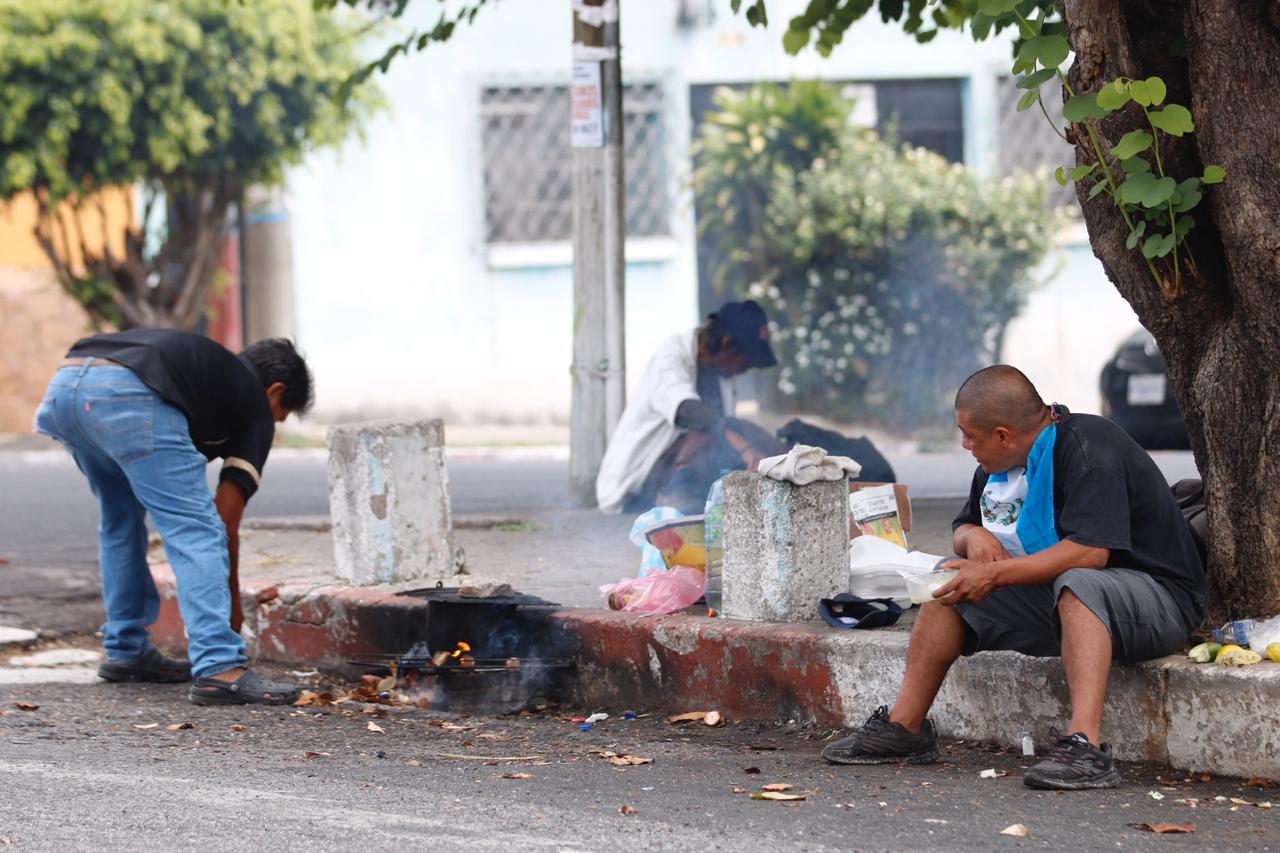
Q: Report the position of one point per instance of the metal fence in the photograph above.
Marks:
(1027, 142)
(528, 164)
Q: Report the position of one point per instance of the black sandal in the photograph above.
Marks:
(249, 689)
(149, 667)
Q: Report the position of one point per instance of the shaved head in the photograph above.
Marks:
(1001, 395)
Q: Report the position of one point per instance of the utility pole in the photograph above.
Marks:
(267, 266)
(599, 234)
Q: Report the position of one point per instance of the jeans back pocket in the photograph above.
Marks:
(124, 426)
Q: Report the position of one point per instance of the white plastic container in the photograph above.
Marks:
(922, 586)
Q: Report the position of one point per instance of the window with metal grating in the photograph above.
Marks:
(1027, 142)
(528, 164)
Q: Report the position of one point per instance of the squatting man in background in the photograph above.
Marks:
(677, 432)
(1072, 545)
(141, 412)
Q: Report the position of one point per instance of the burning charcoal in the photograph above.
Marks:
(513, 664)
(466, 662)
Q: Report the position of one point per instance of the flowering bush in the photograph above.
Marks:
(888, 272)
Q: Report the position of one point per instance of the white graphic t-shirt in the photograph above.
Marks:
(1001, 504)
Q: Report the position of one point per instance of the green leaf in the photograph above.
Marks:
(1060, 175)
(1157, 90)
(1080, 171)
(1174, 120)
(1160, 192)
(1138, 91)
(1080, 107)
(1098, 188)
(1049, 51)
(1132, 241)
(1188, 195)
(1113, 96)
(1214, 174)
(1135, 164)
(1154, 246)
(996, 8)
(1027, 99)
(1034, 81)
(1131, 143)
(980, 26)
(1136, 186)
(1184, 226)
(794, 40)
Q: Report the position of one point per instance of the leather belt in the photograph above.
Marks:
(98, 360)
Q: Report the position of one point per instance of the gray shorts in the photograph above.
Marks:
(1141, 615)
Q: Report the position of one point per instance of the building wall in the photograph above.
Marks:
(38, 321)
(401, 306)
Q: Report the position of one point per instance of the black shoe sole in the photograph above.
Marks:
(1107, 780)
(927, 757)
(118, 676)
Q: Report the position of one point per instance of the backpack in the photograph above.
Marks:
(1190, 497)
(875, 468)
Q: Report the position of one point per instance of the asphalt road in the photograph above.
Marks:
(96, 768)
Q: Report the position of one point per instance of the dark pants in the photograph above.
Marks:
(683, 474)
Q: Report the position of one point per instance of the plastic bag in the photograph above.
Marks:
(659, 591)
(651, 557)
(878, 569)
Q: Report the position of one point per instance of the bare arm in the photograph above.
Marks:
(977, 543)
(977, 580)
(230, 501)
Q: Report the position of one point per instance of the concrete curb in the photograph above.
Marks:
(1200, 718)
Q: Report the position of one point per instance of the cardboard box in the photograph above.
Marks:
(902, 500)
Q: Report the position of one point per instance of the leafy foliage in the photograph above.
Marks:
(889, 273)
(192, 99)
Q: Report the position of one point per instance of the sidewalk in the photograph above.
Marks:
(1201, 718)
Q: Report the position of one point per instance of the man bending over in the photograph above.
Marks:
(1072, 545)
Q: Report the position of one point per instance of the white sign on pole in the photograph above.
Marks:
(586, 105)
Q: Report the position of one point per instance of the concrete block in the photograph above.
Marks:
(1223, 719)
(389, 500)
(785, 546)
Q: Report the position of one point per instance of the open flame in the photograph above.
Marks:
(462, 647)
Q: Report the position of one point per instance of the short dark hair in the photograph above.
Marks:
(1001, 395)
(276, 360)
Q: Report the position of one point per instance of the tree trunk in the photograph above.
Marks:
(1221, 335)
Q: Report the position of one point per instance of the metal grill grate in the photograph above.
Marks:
(1027, 142)
(528, 164)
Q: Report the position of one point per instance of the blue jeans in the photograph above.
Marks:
(136, 451)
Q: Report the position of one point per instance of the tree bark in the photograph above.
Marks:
(1221, 335)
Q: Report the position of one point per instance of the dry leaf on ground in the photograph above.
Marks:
(1261, 782)
(1016, 829)
(413, 762)
(236, 727)
(628, 810)
(177, 727)
(146, 725)
(690, 717)
(739, 790)
(26, 706)
(625, 760)
(1164, 827)
(515, 776)
(374, 727)
(310, 754)
(777, 786)
(776, 795)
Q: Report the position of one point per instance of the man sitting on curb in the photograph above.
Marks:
(141, 411)
(677, 433)
(1072, 546)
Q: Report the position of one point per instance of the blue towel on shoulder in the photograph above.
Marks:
(1036, 527)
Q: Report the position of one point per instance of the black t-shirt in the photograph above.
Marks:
(1108, 493)
(228, 414)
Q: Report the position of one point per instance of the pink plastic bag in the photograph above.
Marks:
(658, 591)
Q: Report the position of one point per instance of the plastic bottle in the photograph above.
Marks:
(713, 519)
(1255, 633)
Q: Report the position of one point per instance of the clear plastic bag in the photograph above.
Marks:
(658, 591)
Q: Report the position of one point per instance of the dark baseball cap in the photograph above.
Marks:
(747, 328)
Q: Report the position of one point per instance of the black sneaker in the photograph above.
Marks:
(150, 666)
(1074, 764)
(879, 741)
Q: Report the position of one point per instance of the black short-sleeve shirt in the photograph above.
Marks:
(1108, 493)
(228, 414)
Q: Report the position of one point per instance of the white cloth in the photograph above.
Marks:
(803, 464)
(648, 424)
(1000, 505)
(879, 568)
